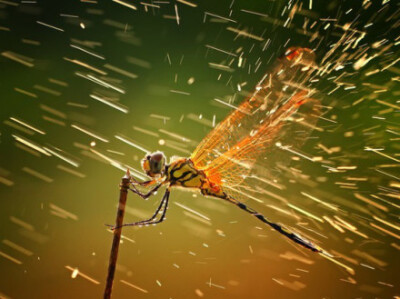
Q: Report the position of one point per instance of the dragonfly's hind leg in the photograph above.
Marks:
(152, 220)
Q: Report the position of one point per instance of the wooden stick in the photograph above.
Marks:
(124, 186)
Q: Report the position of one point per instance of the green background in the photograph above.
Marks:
(247, 257)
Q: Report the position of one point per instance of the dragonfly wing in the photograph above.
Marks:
(276, 119)
(283, 133)
(288, 77)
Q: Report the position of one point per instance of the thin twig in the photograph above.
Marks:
(117, 234)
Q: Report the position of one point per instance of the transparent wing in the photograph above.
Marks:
(278, 116)
(281, 133)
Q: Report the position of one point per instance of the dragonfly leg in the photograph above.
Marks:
(144, 184)
(144, 195)
(279, 228)
(152, 220)
(162, 218)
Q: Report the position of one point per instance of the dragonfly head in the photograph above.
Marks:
(154, 164)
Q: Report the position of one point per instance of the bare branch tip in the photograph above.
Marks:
(127, 174)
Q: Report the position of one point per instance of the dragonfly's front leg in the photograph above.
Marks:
(144, 195)
(143, 184)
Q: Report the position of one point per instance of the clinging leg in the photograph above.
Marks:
(144, 184)
(165, 208)
(145, 195)
(164, 202)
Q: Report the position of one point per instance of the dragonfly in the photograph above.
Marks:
(277, 117)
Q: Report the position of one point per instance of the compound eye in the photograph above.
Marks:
(148, 157)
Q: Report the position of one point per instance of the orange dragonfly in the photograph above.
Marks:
(277, 117)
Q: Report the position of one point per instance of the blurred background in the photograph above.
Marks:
(88, 87)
